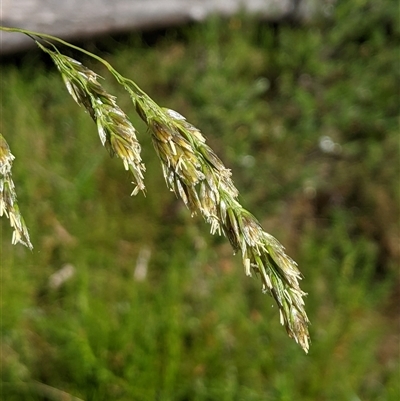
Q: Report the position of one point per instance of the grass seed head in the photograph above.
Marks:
(198, 176)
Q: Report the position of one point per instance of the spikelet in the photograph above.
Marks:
(196, 174)
(115, 130)
(8, 197)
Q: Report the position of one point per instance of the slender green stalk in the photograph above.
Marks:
(192, 171)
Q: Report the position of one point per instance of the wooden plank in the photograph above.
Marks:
(73, 19)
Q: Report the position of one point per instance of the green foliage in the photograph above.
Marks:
(307, 117)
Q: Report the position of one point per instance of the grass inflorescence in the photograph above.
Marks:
(193, 171)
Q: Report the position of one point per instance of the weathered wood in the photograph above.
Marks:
(72, 19)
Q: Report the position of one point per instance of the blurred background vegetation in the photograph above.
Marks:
(154, 308)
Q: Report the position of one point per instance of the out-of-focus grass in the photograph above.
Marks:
(307, 118)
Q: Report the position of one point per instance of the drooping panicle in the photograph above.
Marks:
(191, 169)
